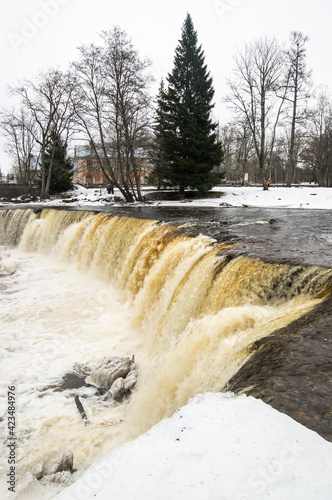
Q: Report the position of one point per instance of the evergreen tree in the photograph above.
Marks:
(160, 172)
(187, 134)
(61, 166)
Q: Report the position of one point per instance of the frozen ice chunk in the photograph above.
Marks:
(131, 378)
(117, 388)
(108, 370)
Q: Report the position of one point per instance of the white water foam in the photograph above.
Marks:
(53, 318)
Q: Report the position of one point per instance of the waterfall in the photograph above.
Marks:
(194, 309)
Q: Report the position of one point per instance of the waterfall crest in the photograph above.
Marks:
(142, 256)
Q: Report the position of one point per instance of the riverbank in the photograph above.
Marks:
(299, 197)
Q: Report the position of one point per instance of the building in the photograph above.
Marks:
(88, 172)
(87, 169)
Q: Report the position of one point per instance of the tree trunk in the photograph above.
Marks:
(43, 180)
(291, 159)
(49, 173)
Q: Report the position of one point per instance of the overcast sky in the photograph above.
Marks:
(38, 34)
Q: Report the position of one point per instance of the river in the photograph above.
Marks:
(192, 293)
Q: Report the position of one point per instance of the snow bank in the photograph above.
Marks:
(219, 446)
(303, 197)
(280, 197)
(235, 196)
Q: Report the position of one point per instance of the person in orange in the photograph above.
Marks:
(268, 182)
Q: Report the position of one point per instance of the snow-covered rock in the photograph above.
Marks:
(63, 461)
(117, 374)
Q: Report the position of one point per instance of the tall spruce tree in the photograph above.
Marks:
(61, 166)
(186, 132)
(157, 154)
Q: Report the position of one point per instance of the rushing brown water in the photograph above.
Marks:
(195, 313)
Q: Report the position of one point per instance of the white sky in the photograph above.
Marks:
(38, 34)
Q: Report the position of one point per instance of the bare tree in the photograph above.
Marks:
(114, 107)
(226, 136)
(238, 150)
(317, 154)
(21, 145)
(257, 94)
(244, 148)
(49, 103)
(298, 86)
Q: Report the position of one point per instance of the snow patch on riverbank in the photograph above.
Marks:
(305, 197)
(218, 446)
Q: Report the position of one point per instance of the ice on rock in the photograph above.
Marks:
(131, 378)
(37, 470)
(63, 477)
(61, 462)
(116, 374)
(108, 370)
(117, 388)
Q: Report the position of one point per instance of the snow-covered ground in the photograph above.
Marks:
(295, 197)
(219, 446)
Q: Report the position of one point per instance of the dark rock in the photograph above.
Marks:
(292, 370)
